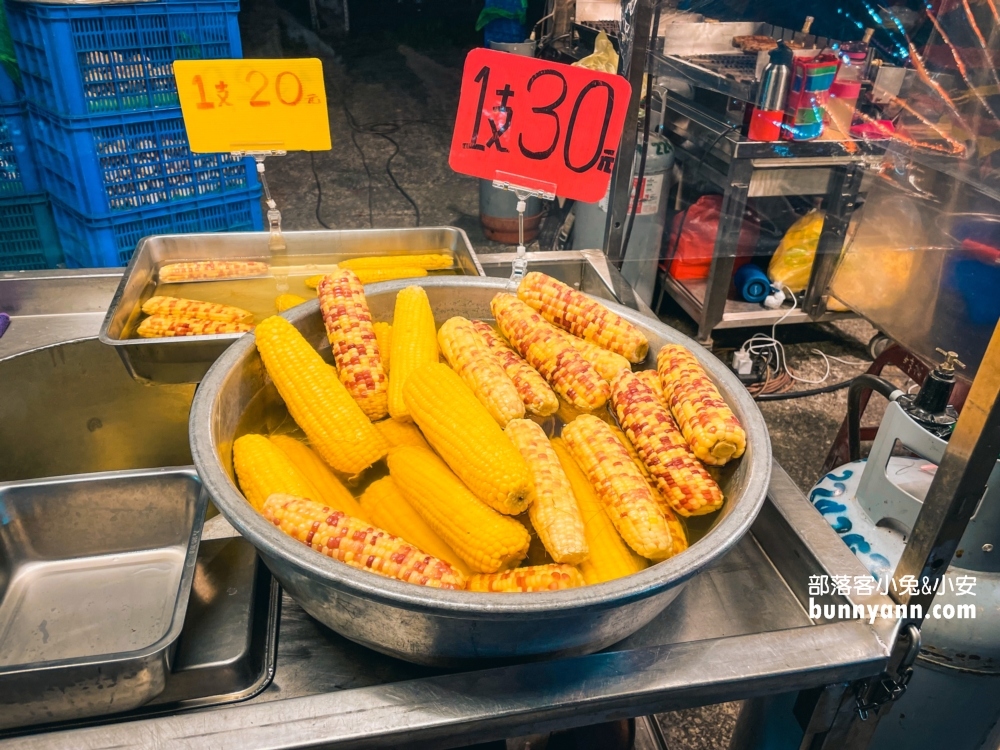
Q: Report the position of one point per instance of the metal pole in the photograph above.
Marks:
(637, 20)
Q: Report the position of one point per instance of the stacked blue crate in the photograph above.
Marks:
(28, 237)
(109, 136)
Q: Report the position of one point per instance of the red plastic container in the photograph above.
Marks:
(698, 226)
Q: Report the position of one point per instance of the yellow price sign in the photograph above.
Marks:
(254, 105)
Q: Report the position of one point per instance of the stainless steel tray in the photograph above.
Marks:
(95, 575)
(187, 359)
(227, 650)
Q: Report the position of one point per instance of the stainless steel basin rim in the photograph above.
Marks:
(609, 595)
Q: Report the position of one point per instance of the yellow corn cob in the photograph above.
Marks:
(652, 380)
(677, 531)
(623, 490)
(468, 439)
(211, 269)
(577, 313)
(264, 469)
(484, 539)
(312, 467)
(550, 352)
(383, 337)
(351, 334)
(525, 580)
(388, 509)
(318, 402)
(178, 307)
(375, 275)
(399, 433)
(608, 364)
(468, 355)
(288, 301)
(554, 512)
(159, 326)
(357, 543)
(535, 393)
(426, 261)
(708, 424)
(609, 557)
(414, 343)
(676, 473)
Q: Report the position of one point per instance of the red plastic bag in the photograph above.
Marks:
(690, 257)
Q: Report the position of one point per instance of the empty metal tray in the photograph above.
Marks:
(95, 575)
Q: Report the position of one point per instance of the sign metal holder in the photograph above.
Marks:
(523, 188)
(276, 243)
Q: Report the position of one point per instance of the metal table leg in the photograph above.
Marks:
(727, 239)
(845, 182)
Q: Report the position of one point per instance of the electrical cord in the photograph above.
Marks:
(319, 191)
(788, 395)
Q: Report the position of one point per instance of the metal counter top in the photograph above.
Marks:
(740, 629)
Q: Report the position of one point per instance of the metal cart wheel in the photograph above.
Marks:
(878, 344)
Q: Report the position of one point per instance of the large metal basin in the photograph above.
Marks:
(454, 628)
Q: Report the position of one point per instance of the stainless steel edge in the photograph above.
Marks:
(443, 627)
(524, 698)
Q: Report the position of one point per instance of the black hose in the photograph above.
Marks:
(788, 395)
(860, 384)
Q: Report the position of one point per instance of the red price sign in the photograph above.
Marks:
(550, 124)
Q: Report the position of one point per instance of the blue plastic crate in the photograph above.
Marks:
(81, 60)
(103, 165)
(110, 241)
(28, 237)
(9, 92)
(18, 175)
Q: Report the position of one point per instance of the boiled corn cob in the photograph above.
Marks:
(399, 433)
(426, 261)
(535, 393)
(652, 380)
(312, 467)
(200, 270)
(288, 301)
(608, 364)
(467, 438)
(383, 337)
(352, 340)
(318, 402)
(414, 343)
(264, 469)
(623, 490)
(388, 509)
(178, 307)
(357, 543)
(484, 539)
(708, 424)
(609, 557)
(468, 355)
(677, 474)
(554, 512)
(577, 313)
(677, 531)
(551, 353)
(159, 326)
(525, 580)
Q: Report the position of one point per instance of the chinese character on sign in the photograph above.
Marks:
(819, 585)
(841, 585)
(607, 161)
(965, 585)
(312, 99)
(222, 90)
(864, 585)
(908, 585)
